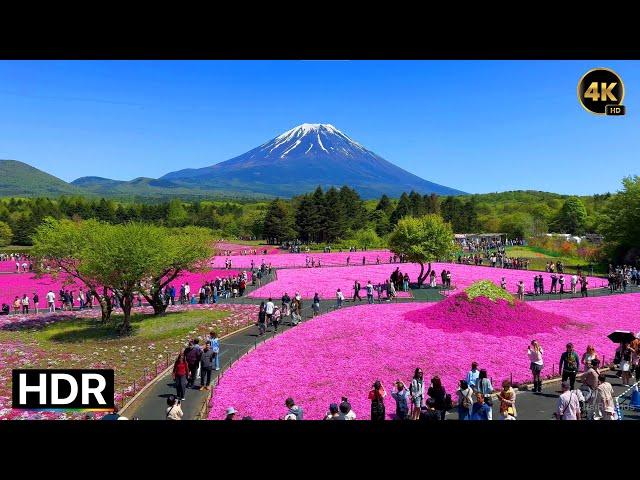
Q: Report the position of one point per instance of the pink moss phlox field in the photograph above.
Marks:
(459, 314)
(325, 281)
(342, 353)
(12, 286)
(290, 260)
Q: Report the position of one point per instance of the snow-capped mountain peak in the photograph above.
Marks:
(312, 138)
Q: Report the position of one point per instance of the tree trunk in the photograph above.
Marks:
(157, 302)
(126, 302)
(105, 304)
(421, 277)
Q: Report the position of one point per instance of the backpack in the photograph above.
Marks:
(466, 402)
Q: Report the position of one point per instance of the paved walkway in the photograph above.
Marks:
(151, 404)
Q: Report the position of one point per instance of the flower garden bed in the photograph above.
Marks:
(342, 353)
(76, 340)
(327, 280)
(291, 260)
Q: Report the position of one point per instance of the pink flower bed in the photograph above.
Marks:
(325, 281)
(290, 260)
(344, 352)
(237, 248)
(17, 285)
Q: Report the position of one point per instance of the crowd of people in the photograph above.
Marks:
(620, 277)
(23, 261)
(475, 395)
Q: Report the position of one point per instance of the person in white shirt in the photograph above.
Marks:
(187, 291)
(51, 301)
(269, 310)
(369, 292)
(574, 282)
(568, 403)
(339, 298)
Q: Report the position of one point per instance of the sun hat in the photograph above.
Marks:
(231, 411)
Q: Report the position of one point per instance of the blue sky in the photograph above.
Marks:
(478, 126)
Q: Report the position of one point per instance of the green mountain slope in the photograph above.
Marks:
(21, 180)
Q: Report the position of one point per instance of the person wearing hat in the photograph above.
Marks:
(231, 412)
(334, 413)
(568, 403)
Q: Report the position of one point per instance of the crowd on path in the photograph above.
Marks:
(24, 262)
(475, 396)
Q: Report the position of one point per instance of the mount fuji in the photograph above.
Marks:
(299, 160)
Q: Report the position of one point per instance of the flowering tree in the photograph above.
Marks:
(423, 240)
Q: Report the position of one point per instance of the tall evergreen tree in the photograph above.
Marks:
(403, 209)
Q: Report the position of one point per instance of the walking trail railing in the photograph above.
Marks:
(624, 401)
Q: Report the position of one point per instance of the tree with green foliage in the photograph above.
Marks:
(279, 222)
(385, 205)
(365, 238)
(572, 217)
(62, 246)
(177, 215)
(423, 240)
(517, 225)
(621, 222)
(6, 235)
(402, 210)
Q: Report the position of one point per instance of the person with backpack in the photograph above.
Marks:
(569, 365)
(401, 396)
(417, 393)
(568, 404)
(180, 374)
(465, 400)
(376, 395)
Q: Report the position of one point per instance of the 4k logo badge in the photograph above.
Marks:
(601, 92)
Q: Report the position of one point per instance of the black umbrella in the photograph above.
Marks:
(620, 336)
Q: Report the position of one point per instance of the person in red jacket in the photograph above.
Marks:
(180, 373)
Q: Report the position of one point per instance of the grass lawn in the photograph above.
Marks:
(76, 342)
(539, 257)
(15, 248)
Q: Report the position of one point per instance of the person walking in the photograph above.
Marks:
(569, 365)
(568, 407)
(316, 304)
(401, 396)
(369, 289)
(192, 355)
(574, 283)
(507, 398)
(214, 343)
(521, 290)
(17, 303)
(605, 406)
(51, 301)
(376, 395)
(180, 374)
(339, 299)
(417, 394)
(206, 365)
(262, 320)
(356, 291)
(583, 286)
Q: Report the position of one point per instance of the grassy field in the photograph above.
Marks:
(68, 342)
(15, 248)
(539, 257)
